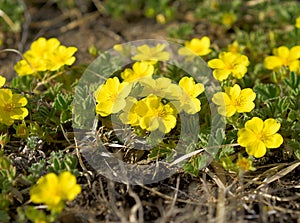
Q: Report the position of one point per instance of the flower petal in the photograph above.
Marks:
(235, 91)
(255, 125)
(272, 62)
(2, 81)
(294, 53)
(216, 64)
(271, 126)
(273, 141)
(221, 74)
(257, 149)
(246, 137)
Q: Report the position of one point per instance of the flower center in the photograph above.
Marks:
(8, 107)
(260, 136)
(235, 102)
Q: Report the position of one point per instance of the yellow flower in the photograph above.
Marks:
(45, 55)
(284, 56)
(36, 58)
(110, 97)
(158, 87)
(2, 81)
(186, 94)
(229, 64)
(234, 100)
(53, 190)
(123, 49)
(139, 71)
(244, 164)
(258, 135)
(151, 54)
(30, 66)
(228, 19)
(129, 116)
(154, 115)
(196, 46)
(42, 45)
(11, 107)
(298, 23)
(235, 47)
(160, 18)
(60, 57)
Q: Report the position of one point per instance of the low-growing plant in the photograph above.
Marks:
(231, 105)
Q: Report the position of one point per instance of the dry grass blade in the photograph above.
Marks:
(280, 174)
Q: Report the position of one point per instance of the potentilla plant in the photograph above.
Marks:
(144, 106)
(35, 111)
(151, 96)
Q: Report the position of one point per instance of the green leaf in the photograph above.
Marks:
(189, 168)
(4, 217)
(293, 81)
(56, 164)
(296, 147)
(267, 91)
(62, 102)
(159, 152)
(220, 136)
(226, 151)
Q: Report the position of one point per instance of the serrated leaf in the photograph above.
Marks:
(56, 164)
(267, 91)
(189, 168)
(220, 136)
(293, 81)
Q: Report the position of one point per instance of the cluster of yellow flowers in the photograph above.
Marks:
(149, 111)
(45, 55)
(257, 135)
(160, 100)
(11, 105)
(53, 190)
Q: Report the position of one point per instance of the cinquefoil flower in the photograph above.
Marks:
(200, 47)
(45, 55)
(110, 97)
(139, 71)
(158, 87)
(154, 115)
(284, 56)
(12, 107)
(54, 190)
(244, 164)
(234, 100)
(229, 64)
(60, 57)
(258, 135)
(184, 96)
(129, 116)
(235, 47)
(151, 54)
(228, 19)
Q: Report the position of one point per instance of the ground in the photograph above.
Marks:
(271, 194)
